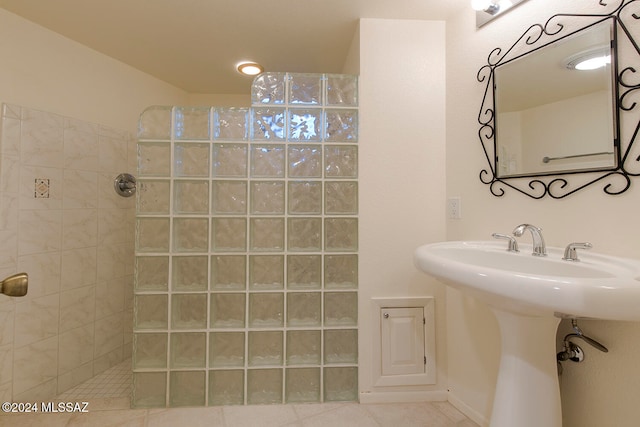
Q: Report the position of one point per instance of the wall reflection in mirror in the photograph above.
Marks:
(551, 125)
(552, 116)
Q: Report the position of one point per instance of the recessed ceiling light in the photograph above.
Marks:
(250, 68)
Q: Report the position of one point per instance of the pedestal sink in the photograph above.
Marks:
(529, 295)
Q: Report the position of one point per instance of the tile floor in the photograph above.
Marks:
(114, 382)
(108, 397)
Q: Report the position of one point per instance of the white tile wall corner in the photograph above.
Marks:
(74, 237)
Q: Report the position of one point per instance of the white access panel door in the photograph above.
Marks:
(403, 347)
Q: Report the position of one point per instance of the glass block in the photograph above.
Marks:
(302, 385)
(227, 310)
(153, 197)
(304, 234)
(268, 88)
(303, 309)
(191, 197)
(189, 311)
(305, 124)
(228, 272)
(305, 88)
(303, 347)
(152, 234)
(266, 272)
(154, 158)
(152, 273)
(305, 161)
(341, 346)
(189, 273)
(341, 234)
(340, 161)
(264, 386)
(190, 234)
(229, 197)
(266, 310)
(267, 161)
(149, 389)
(267, 234)
(267, 197)
(340, 309)
(265, 348)
(268, 124)
(229, 234)
(192, 122)
(304, 271)
(341, 271)
(342, 90)
(150, 311)
(187, 388)
(188, 350)
(191, 159)
(341, 125)
(150, 351)
(226, 387)
(340, 197)
(226, 349)
(305, 197)
(155, 123)
(230, 160)
(341, 384)
(230, 123)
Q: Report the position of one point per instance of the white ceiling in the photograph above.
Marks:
(195, 44)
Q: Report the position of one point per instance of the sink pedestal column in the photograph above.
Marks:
(527, 391)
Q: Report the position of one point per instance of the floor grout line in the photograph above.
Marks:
(114, 382)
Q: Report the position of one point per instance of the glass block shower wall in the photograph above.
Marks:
(246, 248)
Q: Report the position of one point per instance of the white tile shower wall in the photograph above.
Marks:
(62, 223)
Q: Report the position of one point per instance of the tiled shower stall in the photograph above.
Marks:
(246, 248)
(62, 223)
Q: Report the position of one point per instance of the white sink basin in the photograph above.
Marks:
(597, 286)
(528, 294)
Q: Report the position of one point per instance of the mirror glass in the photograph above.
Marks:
(552, 117)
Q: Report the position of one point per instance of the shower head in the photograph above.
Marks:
(15, 286)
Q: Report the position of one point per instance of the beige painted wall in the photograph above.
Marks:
(43, 70)
(604, 389)
(401, 150)
(222, 100)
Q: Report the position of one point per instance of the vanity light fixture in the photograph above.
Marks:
(589, 60)
(249, 68)
(486, 10)
(489, 6)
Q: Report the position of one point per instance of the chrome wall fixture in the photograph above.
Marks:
(125, 185)
(487, 10)
(625, 15)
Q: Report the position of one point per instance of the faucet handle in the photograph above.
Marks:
(570, 253)
(513, 244)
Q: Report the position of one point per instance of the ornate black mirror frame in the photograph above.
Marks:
(557, 185)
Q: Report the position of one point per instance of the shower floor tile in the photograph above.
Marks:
(114, 382)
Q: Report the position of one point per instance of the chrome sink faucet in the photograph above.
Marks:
(539, 247)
